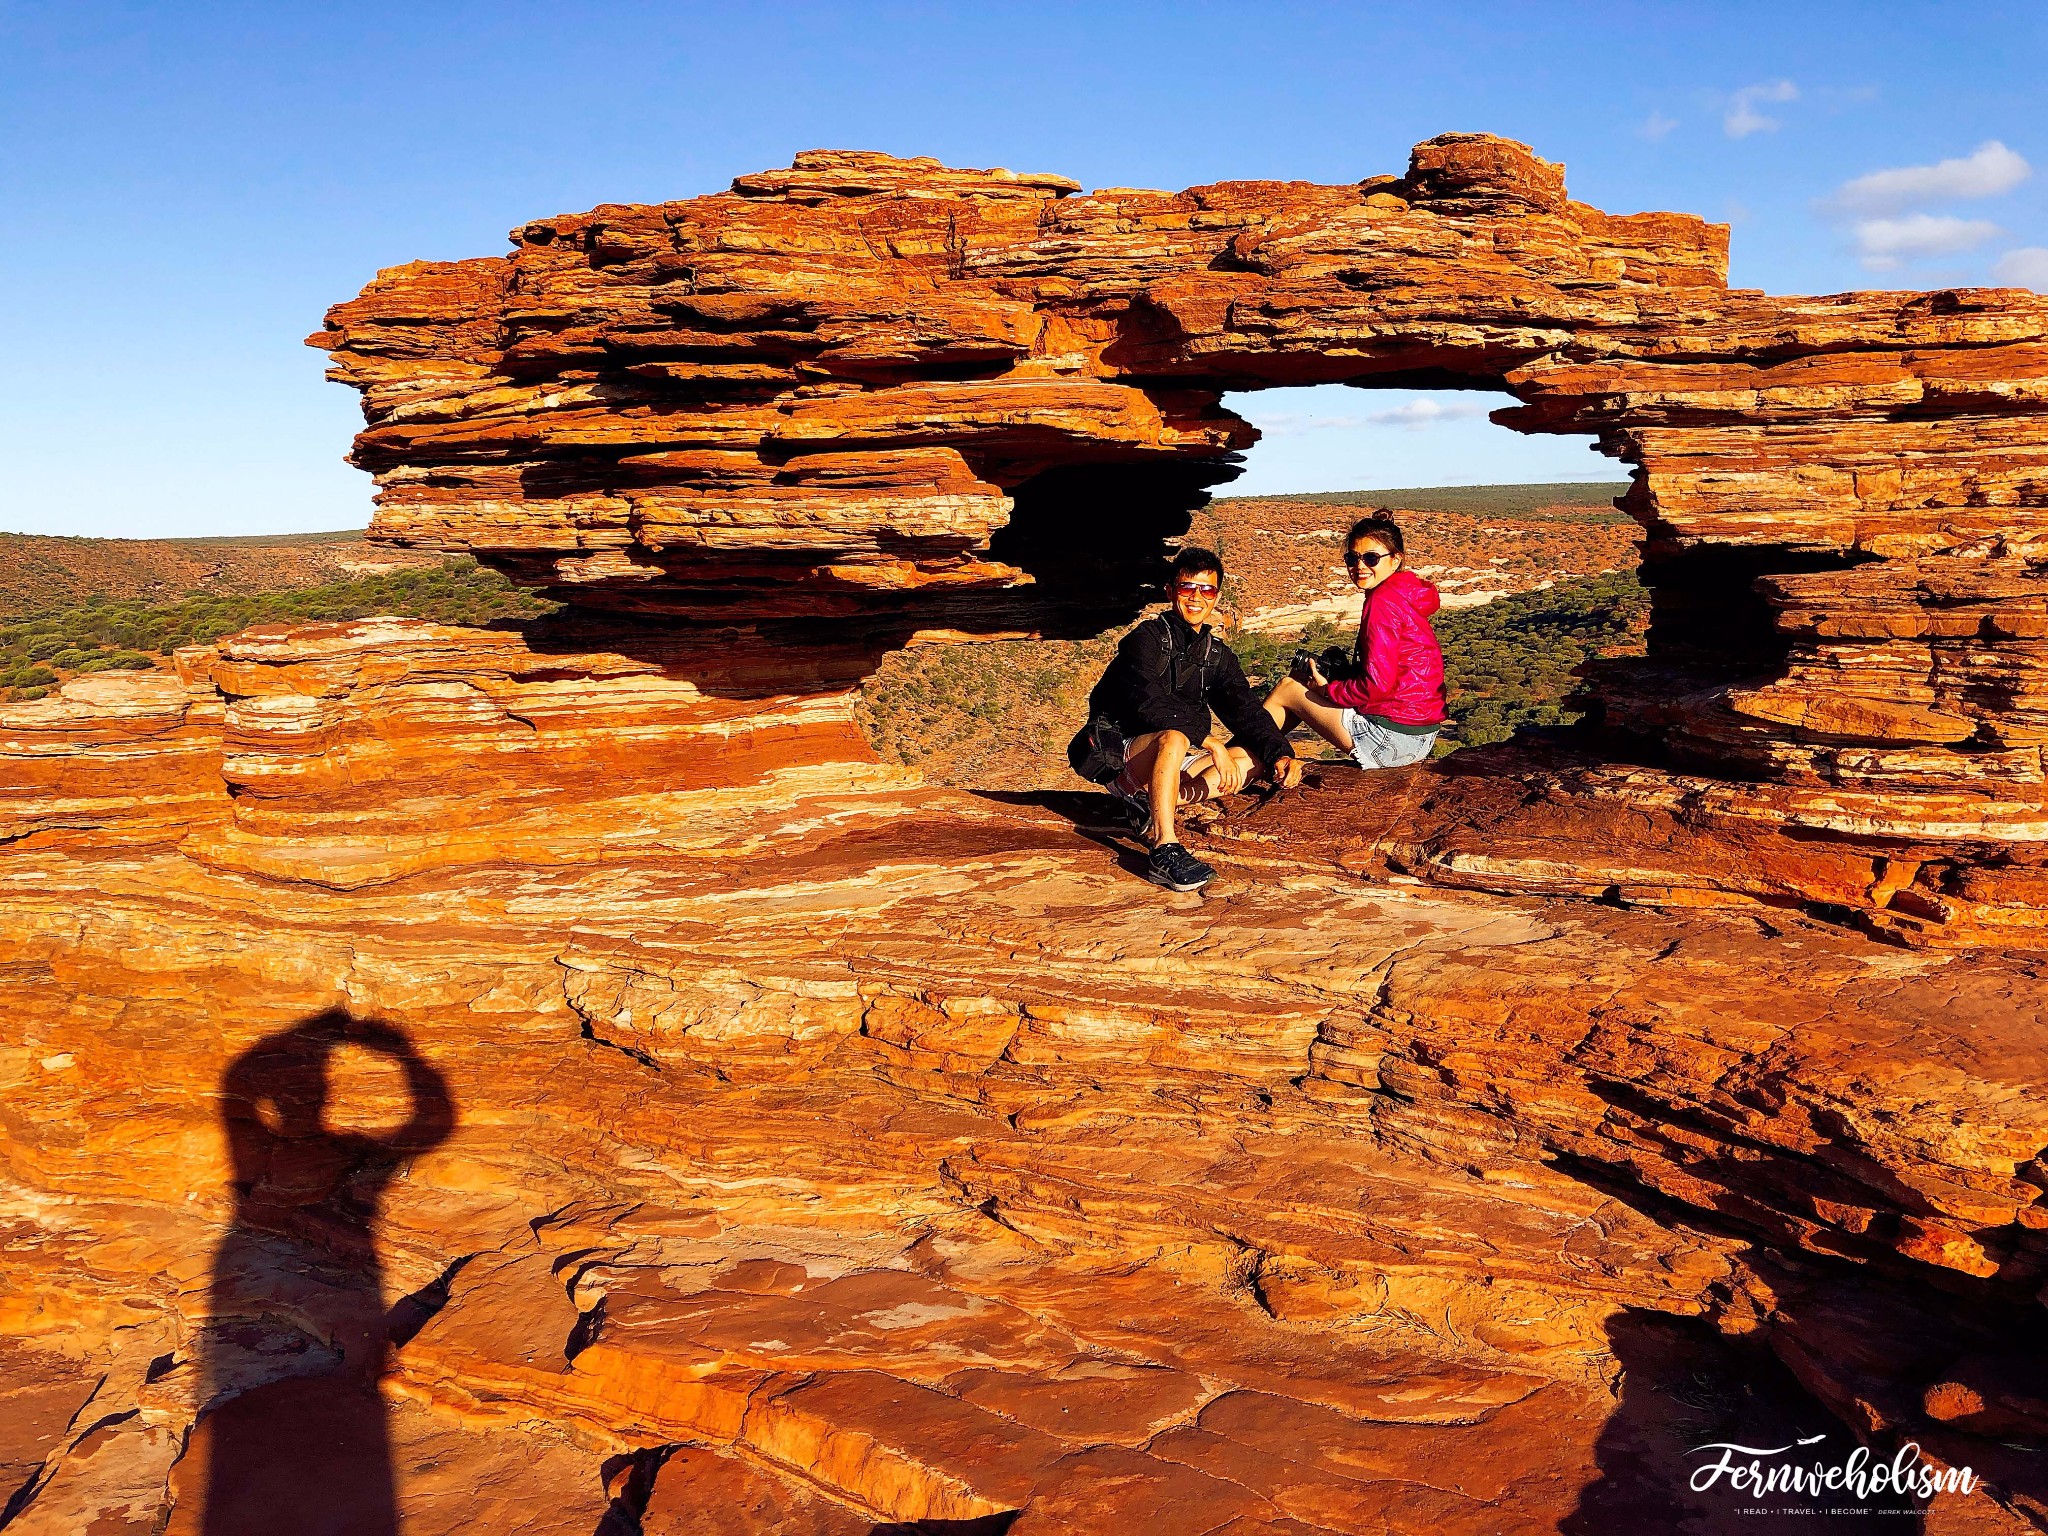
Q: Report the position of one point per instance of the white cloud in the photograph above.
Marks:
(1296, 423)
(1656, 125)
(1884, 243)
(1986, 171)
(2026, 267)
(1413, 414)
(1742, 118)
(1427, 413)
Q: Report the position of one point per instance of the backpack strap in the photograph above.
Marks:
(1172, 653)
(1207, 664)
(1167, 652)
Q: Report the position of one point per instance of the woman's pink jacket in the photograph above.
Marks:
(1404, 666)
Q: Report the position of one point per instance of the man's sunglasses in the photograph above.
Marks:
(1355, 558)
(1195, 588)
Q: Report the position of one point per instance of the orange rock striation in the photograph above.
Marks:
(877, 397)
(350, 754)
(888, 1157)
(550, 1079)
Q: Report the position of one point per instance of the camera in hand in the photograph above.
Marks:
(1333, 660)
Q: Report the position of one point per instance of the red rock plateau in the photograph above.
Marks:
(552, 1079)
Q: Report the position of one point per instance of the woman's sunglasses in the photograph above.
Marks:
(1195, 588)
(1355, 558)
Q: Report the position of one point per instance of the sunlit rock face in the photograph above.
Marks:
(353, 754)
(551, 1078)
(869, 398)
(894, 1155)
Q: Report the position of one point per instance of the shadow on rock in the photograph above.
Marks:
(1094, 814)
(1683, 1387)
(298, 1289)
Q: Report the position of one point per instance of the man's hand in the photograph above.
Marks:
(1287, 772)
(1233, 765)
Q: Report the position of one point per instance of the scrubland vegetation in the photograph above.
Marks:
(996, 714)
(103, 634)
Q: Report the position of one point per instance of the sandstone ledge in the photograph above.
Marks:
(562, 1061)
(925, 1165)
(866, 399)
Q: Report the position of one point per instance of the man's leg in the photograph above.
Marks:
(1292, 703)
(1247, 765)
(1203, 775)
(1169, 772)
(1169, 753)
(1186, 777)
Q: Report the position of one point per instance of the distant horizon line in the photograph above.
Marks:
(1403, 490)
(339, 533)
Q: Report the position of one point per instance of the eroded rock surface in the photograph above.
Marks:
(872, 398)
(862, 1154)
(553, 1079)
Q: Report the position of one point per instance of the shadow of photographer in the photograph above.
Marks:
(294, 1437)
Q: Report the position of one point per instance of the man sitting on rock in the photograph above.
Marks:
(1149, 738)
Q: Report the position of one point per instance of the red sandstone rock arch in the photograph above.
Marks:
(1458, 1151)
(866, 397)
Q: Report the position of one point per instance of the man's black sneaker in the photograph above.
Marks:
(1178, 870)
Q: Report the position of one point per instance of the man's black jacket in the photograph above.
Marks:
(1168, 676)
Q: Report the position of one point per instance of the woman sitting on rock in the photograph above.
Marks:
(1387, 711)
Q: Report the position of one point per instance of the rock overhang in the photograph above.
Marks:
(784, 1085)
(838, 379)
(869, 399)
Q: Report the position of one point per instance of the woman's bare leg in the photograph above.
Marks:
(1293, 703)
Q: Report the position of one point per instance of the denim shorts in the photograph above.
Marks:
(1374, 746)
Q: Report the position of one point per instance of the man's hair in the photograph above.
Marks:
(1378, 526)
(1192, 561)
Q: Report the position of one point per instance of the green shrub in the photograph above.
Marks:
(1513, 662)
(104, 634)
(123, 661)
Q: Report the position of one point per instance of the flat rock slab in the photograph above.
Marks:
(921, 1165)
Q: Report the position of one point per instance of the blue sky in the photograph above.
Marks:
(187, 187)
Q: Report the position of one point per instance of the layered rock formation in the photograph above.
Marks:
(350, 754)
(893, 1158)
(551, 1079)
(880, 397)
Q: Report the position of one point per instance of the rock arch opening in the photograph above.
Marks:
(1336, 437)
(866, 398)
